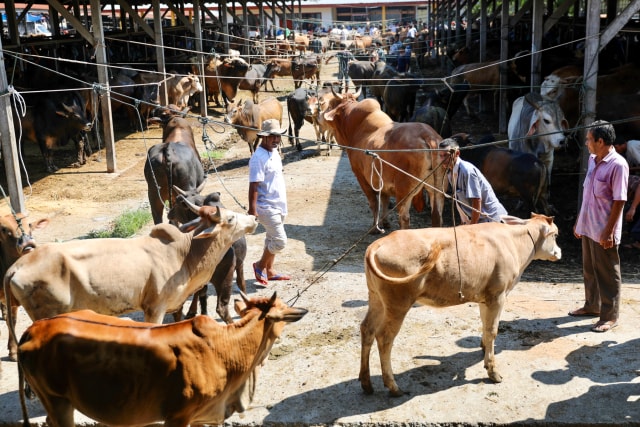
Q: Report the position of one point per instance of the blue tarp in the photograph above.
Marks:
(31, 17)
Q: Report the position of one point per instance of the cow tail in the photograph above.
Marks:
(169, 177)
(12, 335)
(427, 265)
(289, 131)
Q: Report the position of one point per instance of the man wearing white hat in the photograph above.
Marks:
(268, 199)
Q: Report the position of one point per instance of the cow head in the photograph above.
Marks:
(16, 240)
(272, 309)
(543, 233)
(15, 236)
(73, 110)
(211, 219)
(547, 121)
(181, 213)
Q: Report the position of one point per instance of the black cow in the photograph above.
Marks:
(400, 97)
(436, 117)
(361, 72)
(52, 120)
(298, 105)
(173, 163)
(254, 79)
(222, 277)
(447, 99)
(510, 173)
(381, 75)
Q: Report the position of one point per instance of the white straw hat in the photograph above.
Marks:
(271, 127)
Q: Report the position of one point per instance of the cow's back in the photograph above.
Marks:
(125, 358)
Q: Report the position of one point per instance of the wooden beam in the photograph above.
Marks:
(557, 14)
(520, 13)
(136, 18)
(181, 17)
(621, 20)
(77, 24)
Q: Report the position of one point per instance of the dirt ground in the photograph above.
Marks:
(556, 372)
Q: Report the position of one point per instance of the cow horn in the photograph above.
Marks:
(356, 95)
(265, 310)
(66, 107)
(194, 208)
(337, 95)
(530, 98)
(179, 190)
(244, 296)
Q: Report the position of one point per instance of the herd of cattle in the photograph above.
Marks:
(184, 374)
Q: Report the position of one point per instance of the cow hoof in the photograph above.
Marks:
(495, 377)
(396, 393)
(367, 389)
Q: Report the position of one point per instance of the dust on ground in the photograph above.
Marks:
(556, 372)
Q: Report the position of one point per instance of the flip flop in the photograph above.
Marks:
(581, 312)
(604, 325)
(259, 274)
(280, 277)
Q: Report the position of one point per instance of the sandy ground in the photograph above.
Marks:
(556, 372)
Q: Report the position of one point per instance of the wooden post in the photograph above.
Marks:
(590, 81)
(103, 79)
(9, 147)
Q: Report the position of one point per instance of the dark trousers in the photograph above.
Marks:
(602, 279)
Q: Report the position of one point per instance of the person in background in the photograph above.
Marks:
(268, 199)
(344, 57)
(599, 226)
(475, 199)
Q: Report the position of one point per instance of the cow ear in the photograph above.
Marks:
(42, 223)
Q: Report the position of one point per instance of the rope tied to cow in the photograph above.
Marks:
(20, 108)
(210, 148)
(378, 173)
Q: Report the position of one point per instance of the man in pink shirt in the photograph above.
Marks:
(599, 225)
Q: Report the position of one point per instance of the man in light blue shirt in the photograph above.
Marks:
(475, 199)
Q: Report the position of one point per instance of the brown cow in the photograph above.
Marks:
(16, 239)
(442, 267)
(248, 118)
(277, 67)
(306, 68)
(223, 77)
(126, 373)
(365, 128)
(564, 85)
(154, 273)
(484, 76)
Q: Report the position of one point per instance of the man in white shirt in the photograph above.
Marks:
(268, 199)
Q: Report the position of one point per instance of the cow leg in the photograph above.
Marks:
(368, 329)
(222, 281)
(240, 251)
(59, 410)
(12, 346)
(490, 312)
(436, 200)
(156, 205)
(385, 336)
(202, 299)
(372, 198)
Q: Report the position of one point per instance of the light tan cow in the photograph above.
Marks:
(442, 267)
(181, 88)
(154, 273)
(247, 118)
(126, 373)
(364, 128)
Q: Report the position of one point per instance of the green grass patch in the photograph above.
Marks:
(213, 155)
(125, 225)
